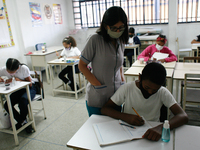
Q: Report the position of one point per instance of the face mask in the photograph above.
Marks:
(67, 49)
(113, 34)
(130, 35)
(159, 47)
(145, 94)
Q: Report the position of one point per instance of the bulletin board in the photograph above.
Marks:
(6, 38)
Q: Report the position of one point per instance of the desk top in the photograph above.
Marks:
(131, 46)
(85, 138)
(61, 62)
(180, 74)
(17, 86)
(50, 50)
(187, 138)
(187, 66)
(166, 65)
(195, 45)
(134, 71)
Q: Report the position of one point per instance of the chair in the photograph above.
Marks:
(183, 50)
(39, 46)
(37, 77)
(191, 90)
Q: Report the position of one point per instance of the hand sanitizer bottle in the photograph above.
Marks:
(166, 132)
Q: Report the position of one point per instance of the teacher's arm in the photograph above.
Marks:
(86, 72)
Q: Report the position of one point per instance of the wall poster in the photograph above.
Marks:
(57, 13)
(36, 17)
(6, 38)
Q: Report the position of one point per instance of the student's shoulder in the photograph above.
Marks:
(24, 67)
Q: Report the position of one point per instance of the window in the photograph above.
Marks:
(188, 11)
(89, 13)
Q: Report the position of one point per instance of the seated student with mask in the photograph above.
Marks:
(133, 39)
(158, 47)
(146, 96)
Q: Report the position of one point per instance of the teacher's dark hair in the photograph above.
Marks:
(12, 64)
(112, 16)
(155, 72)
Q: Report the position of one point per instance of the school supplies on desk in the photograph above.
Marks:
(135, 111)
(158, 55)
(112, 132)
(70, 60)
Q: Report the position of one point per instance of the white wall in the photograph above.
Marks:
(25, 36)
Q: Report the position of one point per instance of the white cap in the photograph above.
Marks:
(166, 124)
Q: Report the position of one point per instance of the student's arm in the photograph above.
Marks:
(180, 118)
(75, 57)
(172, 56)
(89, 76)
(137, 40)
(122, 73)
(146, 54)
(28, 79)
(109, 110)
(195, 41)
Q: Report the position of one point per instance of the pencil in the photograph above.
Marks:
(127, 125)
(135, 111)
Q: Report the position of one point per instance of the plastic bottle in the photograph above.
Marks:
(166, 132)
(45, 45)
(13, 81)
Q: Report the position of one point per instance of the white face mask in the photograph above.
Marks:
(67, 49)
(159, 47)
(113, 34)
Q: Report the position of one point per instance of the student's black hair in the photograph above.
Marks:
(131, 30)
(12, 64)
(68, 40)
(155, 72)
(112, 16)
(198, 38)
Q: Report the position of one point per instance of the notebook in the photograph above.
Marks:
(159, 55)
(112, 132)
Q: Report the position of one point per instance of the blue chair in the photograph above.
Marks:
(39, 46)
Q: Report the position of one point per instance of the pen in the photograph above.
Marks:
(127, 125)
(135, 111)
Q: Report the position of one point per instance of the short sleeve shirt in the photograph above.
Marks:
(131, 96)
(74, 51)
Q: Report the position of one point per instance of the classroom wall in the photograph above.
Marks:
(25, 36)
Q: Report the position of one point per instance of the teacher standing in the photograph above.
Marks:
(105, 52)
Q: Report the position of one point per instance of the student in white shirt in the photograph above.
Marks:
(70, 51)
(146, 96)
(20, 72)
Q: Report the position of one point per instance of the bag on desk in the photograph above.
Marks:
(4, 119)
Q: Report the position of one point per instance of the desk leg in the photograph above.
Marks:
(75, 88)
(169, 84)
(134, 55)
(31, 111)
(47, 73)
(12, 119)
(52, 84)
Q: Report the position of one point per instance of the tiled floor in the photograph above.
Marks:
(65, 115)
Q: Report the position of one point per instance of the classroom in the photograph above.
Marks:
(66, 113)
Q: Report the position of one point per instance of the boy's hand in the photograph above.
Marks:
(57, 54)
(162, 60)
(135, 120)
(153, 134)
(8, 80)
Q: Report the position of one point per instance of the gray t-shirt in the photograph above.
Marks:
(106, 62)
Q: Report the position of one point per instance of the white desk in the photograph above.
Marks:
(19, 85)
(187, 66)
(170, 65)
(40, 59)
(133, 46)
(55, 89)
(134, 71)
(187, 138)
(85, 138)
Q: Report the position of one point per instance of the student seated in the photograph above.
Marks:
(133, 39)
(146, 96)
(158, 47)
(196, 40)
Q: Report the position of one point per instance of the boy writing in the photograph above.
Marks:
(146, 96)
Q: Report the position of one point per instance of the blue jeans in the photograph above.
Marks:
(93, 110)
